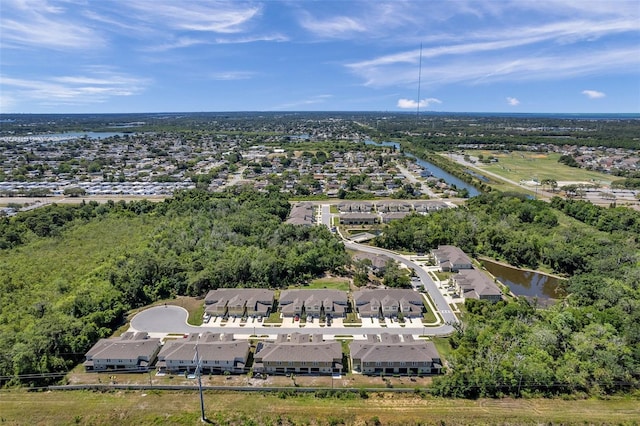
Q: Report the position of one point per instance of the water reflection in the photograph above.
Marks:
(529, 284)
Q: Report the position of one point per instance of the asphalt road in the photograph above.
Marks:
(441, 304)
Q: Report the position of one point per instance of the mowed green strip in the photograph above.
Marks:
(526, 166)
(173, 407)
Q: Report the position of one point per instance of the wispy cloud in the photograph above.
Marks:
(412, 104)
(491, 68)
(334, 27)
(317, 99)
(358, 18)
(512, 101)
(207, 16)
(593, 94)
(36, 23)
(252, 39)
(96, 86)
(232, 75)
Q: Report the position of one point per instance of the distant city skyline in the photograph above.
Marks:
(521, 56)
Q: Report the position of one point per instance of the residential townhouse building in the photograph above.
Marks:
(387, 354)
(131, 352)
(386, 303)
(315, 303)
(301, 354)
(239, 302)
(451, 258)
(217, 353)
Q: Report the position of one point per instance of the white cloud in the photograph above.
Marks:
(513, 101)
(317, 99)
(208, 16)
(593, 94)
(334, 27)
(412, 104)
(97, 85)
(37, 24)
(375, 19)
(490, 68)
(6, 102)
(232, 75)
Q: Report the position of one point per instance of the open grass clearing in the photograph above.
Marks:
(333, 283)
(174, 407)
(526, 166)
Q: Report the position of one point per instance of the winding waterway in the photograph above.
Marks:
(432, 168)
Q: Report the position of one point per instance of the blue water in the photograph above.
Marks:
(435, 170)
(78, 135)
(448, 177)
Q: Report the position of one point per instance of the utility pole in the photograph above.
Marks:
(198, 373)
(419, 81)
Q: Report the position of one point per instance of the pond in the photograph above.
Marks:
(529, 284)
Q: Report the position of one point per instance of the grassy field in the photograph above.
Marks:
(237, 408)
(526, 166)
(333, 283)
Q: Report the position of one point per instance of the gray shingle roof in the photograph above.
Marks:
(300, 349)
(392, 351)
(128, 346)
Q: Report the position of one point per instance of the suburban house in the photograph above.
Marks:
(239, 302)
(388, 303)
(301, 214)
(451, 259)
(393, 206)
(313, 303)
(475, 284)
(388, 217)
(430, 206)
(354, 206)
(217, 354)
(357, 218)
(301, 354)
(387, 354)
(378, 261)
(131, 352)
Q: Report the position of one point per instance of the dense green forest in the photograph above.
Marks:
(70, 273)
(588, 343)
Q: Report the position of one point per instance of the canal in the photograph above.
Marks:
(432, 168)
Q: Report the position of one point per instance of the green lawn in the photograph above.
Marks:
(274, 318)
(442, 345)
(336, 283)
(429, 317)
(442, 276)
(519, 166)
(248, 408)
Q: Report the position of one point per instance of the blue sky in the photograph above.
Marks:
(545, 56)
